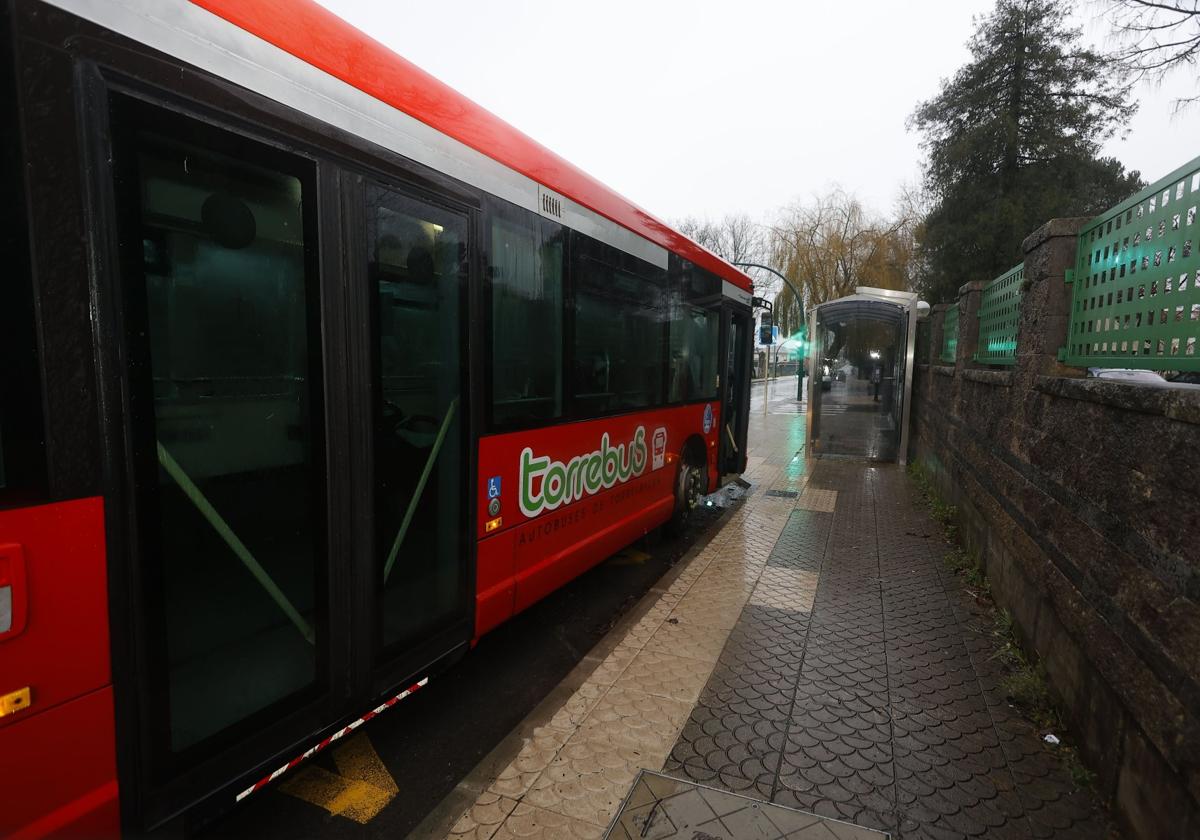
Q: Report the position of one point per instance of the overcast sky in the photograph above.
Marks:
(707, 107)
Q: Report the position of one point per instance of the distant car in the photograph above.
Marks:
(1147, 378)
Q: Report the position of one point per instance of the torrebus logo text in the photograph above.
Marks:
(582, 476)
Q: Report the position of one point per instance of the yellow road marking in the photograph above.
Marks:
(629, 557)
(358, 791)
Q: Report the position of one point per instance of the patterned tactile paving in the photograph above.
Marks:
(855, 686)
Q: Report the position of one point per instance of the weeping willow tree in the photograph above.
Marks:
(832, 244)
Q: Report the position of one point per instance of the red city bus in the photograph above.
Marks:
(314, 372)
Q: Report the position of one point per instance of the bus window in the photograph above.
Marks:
(417, 258)
(695, 334)
(222, 306)
(526, 270)
(694, 362)
(618, 352)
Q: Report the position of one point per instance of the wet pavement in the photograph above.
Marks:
(815, 655)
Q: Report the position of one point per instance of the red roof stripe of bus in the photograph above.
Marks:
(320, 38)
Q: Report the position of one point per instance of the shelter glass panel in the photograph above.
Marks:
(858, 388)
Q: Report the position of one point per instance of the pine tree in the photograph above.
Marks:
(1013, 141)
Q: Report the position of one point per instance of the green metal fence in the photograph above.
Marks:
(950, 334)
(1136, 298)
(999, 311)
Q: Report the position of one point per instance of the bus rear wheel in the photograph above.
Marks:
(689, 487)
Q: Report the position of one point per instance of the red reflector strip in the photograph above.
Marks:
(345, 730)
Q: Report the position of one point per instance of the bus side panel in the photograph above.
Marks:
(559, 542)
(542, 570)
(60, 748)
(62, 778)
(494, 582)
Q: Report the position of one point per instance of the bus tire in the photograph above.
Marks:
(689, 487)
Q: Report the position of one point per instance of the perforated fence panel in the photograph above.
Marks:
(1136, 301)
(999, 311)
(950, 334)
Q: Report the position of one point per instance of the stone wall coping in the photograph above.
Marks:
(1173, 403)
(1054, 228)
(972, 286)
(944, 370)
(999, 378)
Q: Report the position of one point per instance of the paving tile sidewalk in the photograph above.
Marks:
(815, 654)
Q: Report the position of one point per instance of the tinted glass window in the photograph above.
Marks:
(222, 303)
(695, 329)
(619, 338)
(694, 362)
(527, 309)
(417, 262)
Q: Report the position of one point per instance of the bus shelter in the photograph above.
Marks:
(860, 374)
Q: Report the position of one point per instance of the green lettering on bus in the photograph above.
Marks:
(583, 475)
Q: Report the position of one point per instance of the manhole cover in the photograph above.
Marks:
(785, 494)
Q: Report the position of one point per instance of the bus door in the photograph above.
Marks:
(226, 448)
(416, 251)
(296, 442)
(736, 390)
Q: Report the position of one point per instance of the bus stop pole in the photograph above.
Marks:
(766, 381)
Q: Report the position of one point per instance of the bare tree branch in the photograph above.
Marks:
(1156, 38)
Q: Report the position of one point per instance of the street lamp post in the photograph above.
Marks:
(799, 301)
(795, 291)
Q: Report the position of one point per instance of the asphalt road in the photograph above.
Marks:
(433, 739)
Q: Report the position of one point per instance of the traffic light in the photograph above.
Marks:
(766, 335)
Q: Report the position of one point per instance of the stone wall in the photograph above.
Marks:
(1082, 497)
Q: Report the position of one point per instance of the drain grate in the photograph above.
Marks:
(784, 494)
